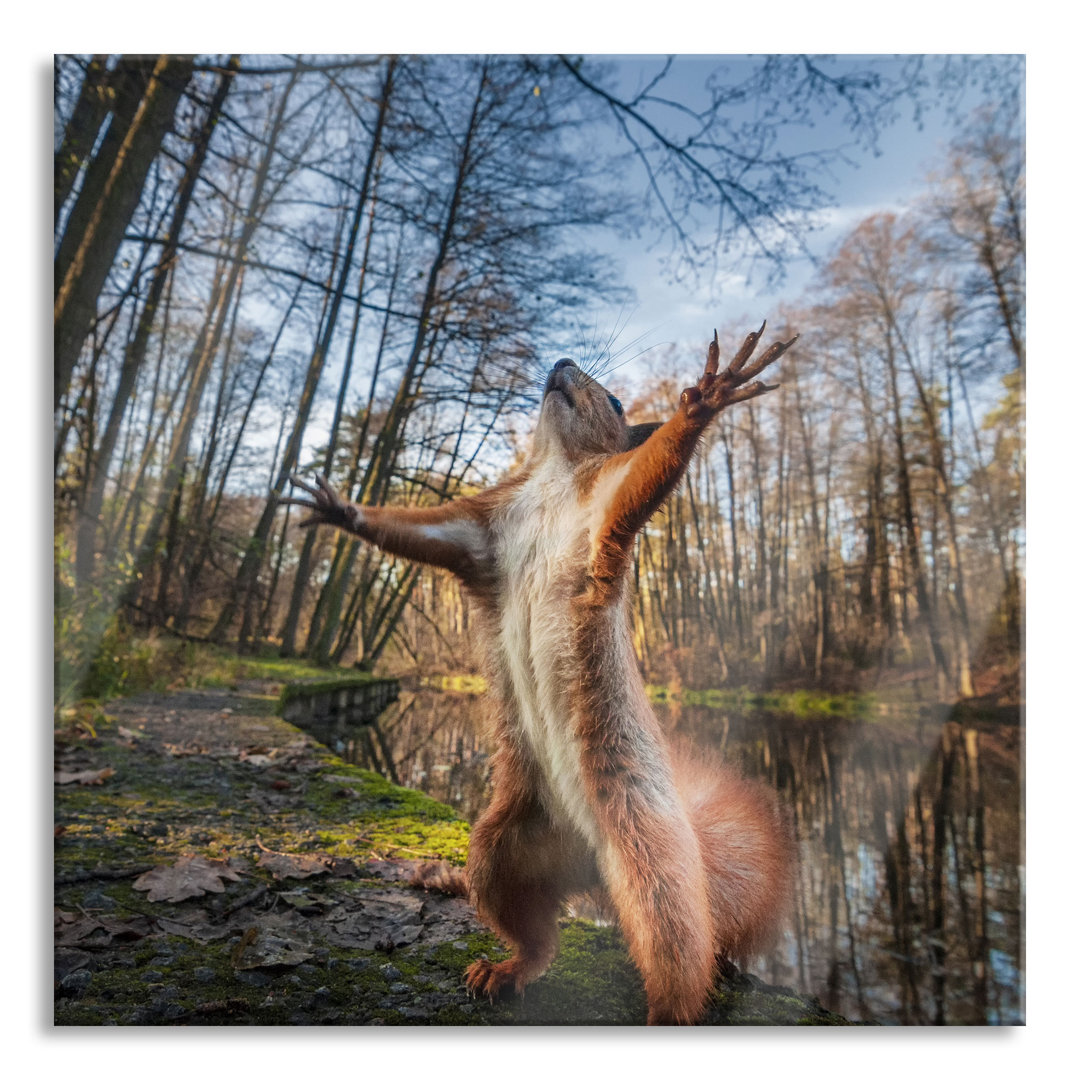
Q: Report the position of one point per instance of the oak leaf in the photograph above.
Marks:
(293, 866)
(190, 875)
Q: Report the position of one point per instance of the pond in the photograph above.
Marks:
(909, 900)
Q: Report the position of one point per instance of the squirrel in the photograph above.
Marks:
(587, 791)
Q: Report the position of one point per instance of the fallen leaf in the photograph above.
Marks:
(196, 928)
(184, 749)
(270, 951)
(377, 919)
(295, 866)
(88, 776)
(191, 875)
(89, 932)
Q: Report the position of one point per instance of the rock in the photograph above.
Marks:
(75, 984)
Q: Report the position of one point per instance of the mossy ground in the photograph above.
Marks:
(216, 773)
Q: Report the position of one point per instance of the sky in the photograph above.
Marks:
(686, 312)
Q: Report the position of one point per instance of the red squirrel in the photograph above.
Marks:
(587, 791)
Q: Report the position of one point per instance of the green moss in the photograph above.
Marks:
(799, 702)
(307, 687)
(457, 684)
(126, 663)
(592, 980)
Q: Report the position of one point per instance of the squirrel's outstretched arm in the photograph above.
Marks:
(453, 535)
(641, 479)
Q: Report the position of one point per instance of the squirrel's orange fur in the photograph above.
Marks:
(587, 791)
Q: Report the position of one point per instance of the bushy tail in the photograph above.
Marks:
(748, 848)
(441, 877)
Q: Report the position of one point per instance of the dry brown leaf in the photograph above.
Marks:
(87, 776)
(190, 875)
(89, 932)
(377, 918)
(189, 749)
(294, 866)
(270, 951)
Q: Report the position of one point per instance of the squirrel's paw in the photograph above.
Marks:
(487, 979)
(326, 505)
(717, 389)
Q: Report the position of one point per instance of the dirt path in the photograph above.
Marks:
(215, 865)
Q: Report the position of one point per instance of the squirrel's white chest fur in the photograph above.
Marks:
(542, 542)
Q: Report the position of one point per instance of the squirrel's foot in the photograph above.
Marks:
(490, 979)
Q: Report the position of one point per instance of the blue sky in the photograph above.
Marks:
(686, 312)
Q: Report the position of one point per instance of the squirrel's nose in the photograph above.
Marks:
(560, 364)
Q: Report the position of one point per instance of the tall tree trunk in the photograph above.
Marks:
(944, 491)
(123, 91)
(81, 130)
(314, 632)
(256, 549)
(135, 354)
(210, 335)
(91, 239)
(735, 595)
(820, 574)
(388, 444)
(913, 541)
(762, 555)
(332, 596)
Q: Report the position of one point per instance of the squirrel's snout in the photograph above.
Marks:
(556, 380)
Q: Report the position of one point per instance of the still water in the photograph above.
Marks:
(909, 901)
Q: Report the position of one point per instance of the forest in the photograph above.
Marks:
(364, 265)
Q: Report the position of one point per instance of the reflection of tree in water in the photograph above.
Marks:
(908, 906)
(435, 743)
(908, 899)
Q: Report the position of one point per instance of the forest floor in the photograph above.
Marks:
(216, 865)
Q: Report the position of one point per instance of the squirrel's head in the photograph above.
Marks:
(580, 417)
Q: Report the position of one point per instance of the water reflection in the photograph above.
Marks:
(909, 898)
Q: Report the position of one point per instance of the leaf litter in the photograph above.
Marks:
(184, 778)
(190, 875)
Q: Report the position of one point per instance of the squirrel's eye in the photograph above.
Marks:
(616, 404)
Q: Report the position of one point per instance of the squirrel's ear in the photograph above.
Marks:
(638, 433)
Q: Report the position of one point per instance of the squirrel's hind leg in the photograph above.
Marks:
(521, 868)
